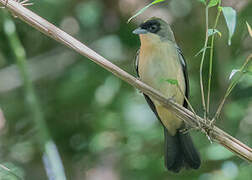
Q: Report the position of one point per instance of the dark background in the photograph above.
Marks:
(103, 127)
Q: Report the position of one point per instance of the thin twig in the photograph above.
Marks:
(201, 67)
(211, 57)
(52, 31)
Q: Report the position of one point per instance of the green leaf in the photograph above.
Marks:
(245, 69)
(212, 3)
(213, 31)
(144, 8)
(230, 17)
(233, 72)
(201, 51)
(171, 81)
(157, 1)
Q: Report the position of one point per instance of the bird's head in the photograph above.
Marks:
(155, 29)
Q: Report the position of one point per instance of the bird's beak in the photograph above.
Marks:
(140, 31)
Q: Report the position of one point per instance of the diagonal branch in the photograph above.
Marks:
(52, 31)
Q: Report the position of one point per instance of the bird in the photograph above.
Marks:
(159, 60)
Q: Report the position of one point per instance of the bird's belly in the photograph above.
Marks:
(157, 73)
(169, 119)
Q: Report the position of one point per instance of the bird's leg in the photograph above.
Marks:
(188, 129)
(185, 130)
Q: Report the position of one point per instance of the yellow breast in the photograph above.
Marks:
(158, 62)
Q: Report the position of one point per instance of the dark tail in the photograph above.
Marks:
(180, 152)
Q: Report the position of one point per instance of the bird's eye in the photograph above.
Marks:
(153, 28)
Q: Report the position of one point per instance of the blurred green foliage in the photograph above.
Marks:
(103, 127)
